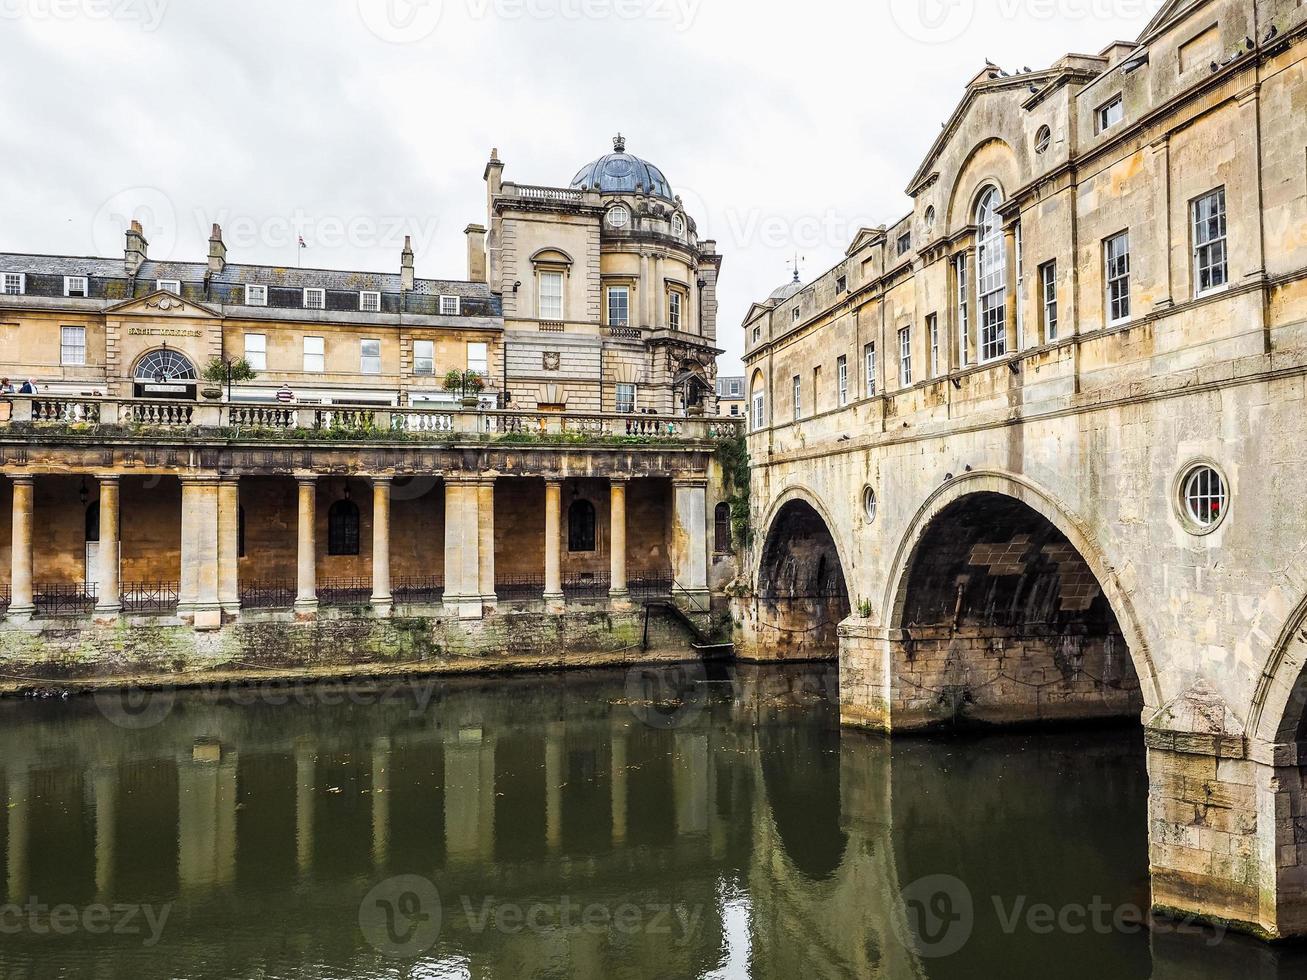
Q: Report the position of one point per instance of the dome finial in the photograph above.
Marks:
(619, 143)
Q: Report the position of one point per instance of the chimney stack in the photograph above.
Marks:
(494, 173)
(137, 250)
(476, 253)
(406, 265)
(217, 251)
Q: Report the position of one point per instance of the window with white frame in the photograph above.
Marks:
(315, 358)
(905, 356)
(173, 286)
(13, 283)
(675, 300)
(794, 314)
(797, 393)
(370, 356)
(1210, 255)
(619, 306)
(1048, 298)
(478, 357)
(932, 328)
(625, 398)
(1109, 114)
(75, 286)
(450, 305)
(869, 367)
(842, 378)
(424, 357)
(256, 295)
(1204, 496)
(964, 323)
(256, 351)
(1116, 267)
(315, 299)
(551, 295)
(369, 301)
(991, 277)
(757, 334)
(759, 406)
(72, 346)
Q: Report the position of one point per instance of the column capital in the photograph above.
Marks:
(620, 479)
(556, 480)
(229, 479)
(306, 479)
(690, 481)
(461, 477)
(382, 479)
(108, 477)
(23, 479)
(199, 479)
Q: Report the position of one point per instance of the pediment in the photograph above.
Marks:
(864, 237)
(1171, 11)
(163, 303)
(756, 310)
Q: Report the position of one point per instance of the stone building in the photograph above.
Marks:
(1034, 450)
(730, 396)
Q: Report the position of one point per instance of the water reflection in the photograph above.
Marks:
(568, 832)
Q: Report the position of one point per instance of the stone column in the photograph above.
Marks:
(206, 822)
(199, 593)
(229, 516)
(104, 787)
(1010, 313)
(554, 600)
(108, 593)
(618, 786)
(21, 607)
(462, 548)
(689, 546)
(619, 598)
(555, 742)
(973, 305)
(16, 834)
(381, 802)
(690, 783)
(646, 293)
(469, 796)
(306, 600)
(486, 541)
(659, 294)
(305, 773)
(381, 596)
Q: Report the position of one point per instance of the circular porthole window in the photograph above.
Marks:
(869, 504)
(930, 219)
(678, 225)
(1204, 497)
(618, 217)
(1043, 139)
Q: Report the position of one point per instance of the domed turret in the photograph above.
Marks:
(621, 173)
(783, 293)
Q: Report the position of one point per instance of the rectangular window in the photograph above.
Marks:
(964, 324)
(905, 356)
(256, 351)
(757, 334)
(736, 387)
(798, 397)
(551, 295)
(759, 409)
(674, 300)
(794, 314)
(72, 346)
(256, 295)
(315, 359)
(173, 286)
(625, 398)
(1116, 264)
(904, 244)
(1210, 256)
(1048, 298)
(619, 306)
(75, 286)
(841, 284)
(13, 283)
(1109, 114)
(370, 356)
(991, 285)
(932, 328)
(370, 301)
(315, 299)
(869, 366)
(424, 357)
(842, 377)
(478, 357)
(450, 305)
(1021, 293)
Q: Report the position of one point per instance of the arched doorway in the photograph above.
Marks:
(802, 593)
(164, 373)
(999, 619)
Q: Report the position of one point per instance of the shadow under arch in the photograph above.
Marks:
(1017, 488)
(1279, 707)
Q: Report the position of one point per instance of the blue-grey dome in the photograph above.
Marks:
(788, 290)
(621, 173)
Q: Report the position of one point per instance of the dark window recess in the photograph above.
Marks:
(343, 528)
(240, 532)
(93, 521)
(722, 528)
(841, 284)
(581, 526)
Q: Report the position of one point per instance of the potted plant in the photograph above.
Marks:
(220, 371)
(468, 385)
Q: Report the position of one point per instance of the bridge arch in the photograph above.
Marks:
(992, 566)
(1279, 708)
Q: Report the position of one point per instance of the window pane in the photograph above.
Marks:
(72, 345)
(478, 358)
(991, 278)
(424, 357)
(370, 356)
(619, 306)
(551, 295)
(256, 351)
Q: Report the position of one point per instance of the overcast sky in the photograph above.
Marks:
(784, 125)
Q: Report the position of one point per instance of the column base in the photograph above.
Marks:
(619, 600)
(306, 609)
(231, 610)
(20, 614)
(489, 603)
(207, 617)
(382, 606)
(107, 614)
(463, 607)
(555, 603)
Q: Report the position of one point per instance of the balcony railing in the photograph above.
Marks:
(364, 421)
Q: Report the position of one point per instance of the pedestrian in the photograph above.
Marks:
(6, 387)
(284, 394)
(28, 388)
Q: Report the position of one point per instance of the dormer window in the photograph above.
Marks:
(449, 305)
(256, 295)
(173, 286)
(13, 283)
(370, 301)
(315, 299)
(1109, 114)
(75, 286)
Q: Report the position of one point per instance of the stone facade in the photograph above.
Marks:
(1047, 471)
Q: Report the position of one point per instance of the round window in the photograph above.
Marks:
(1043, 139)
(869, 504)
(930, 218)
(678, 225)
(618, 217)
(1204, 498)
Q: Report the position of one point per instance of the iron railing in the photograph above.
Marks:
(150, 597)
(417, 590)
(267, 595)
(4, 597)
(63, 598)
(585, 585)
(344, 592)
(642, 589)
(530, 586)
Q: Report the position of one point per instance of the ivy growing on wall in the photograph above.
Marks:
(733, 457)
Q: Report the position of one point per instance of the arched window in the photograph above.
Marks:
(164, 365)
(93, 521)
(343, 528)
(722, 527)
(581, 526)
(991, 277)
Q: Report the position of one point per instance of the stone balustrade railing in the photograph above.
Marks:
(362, 420)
